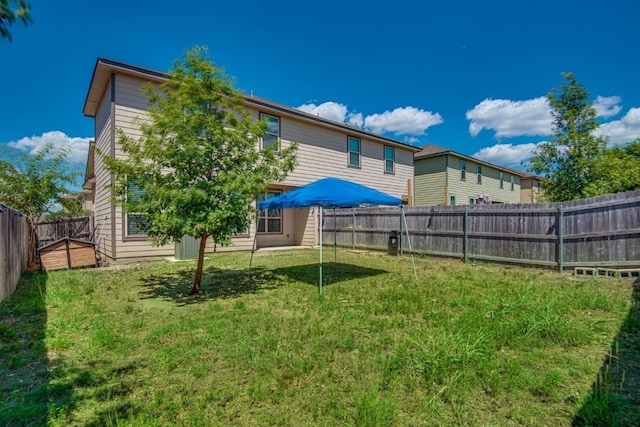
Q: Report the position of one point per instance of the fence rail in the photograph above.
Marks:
(14, 238)
(600, 231)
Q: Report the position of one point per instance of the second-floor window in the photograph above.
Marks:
(354, 151)
(463, 170)
(501, 177)
(389, 159)
(479, 174)
(513, 182)
(271, 137)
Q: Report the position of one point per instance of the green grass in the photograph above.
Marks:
(465, 344)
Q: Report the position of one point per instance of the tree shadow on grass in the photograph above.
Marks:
(224, 283)
(216, 283)
(614, 399)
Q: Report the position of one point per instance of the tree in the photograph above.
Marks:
(9, 14)
(34, 184)
(196, 168)
(569, 159)
(617, 171)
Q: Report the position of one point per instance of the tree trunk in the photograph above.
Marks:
(196, 282)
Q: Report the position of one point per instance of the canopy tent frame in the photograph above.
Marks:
(356, 195)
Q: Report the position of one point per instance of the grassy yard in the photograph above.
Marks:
(465, 344)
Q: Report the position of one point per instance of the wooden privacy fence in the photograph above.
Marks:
(78, 227)
(14, 246)
(600, 231)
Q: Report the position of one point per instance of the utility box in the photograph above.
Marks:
(393, 242)
(187, 248)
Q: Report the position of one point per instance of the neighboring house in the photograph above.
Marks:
(325, 148)
(85, 197)
(530, 188)
(444, 177)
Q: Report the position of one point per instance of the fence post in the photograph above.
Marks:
(353, 228)
(465, 243)
(560, 229)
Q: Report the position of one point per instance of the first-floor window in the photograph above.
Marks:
(135, 225)
(452, 200)
(389, 159)
(135, 221)
(270, 220)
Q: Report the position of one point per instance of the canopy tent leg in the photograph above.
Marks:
(321, 229)
(406, 228)
(253, 245)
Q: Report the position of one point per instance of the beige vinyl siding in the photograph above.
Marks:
(430, 181)
(102, 204)
(529, 190)
(131, 104)
(305, 226)
(322, 152)
(491, 186)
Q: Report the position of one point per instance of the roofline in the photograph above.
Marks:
(473, 159)
(98, 78)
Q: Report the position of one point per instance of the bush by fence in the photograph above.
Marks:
(600, 231)
(14, 245)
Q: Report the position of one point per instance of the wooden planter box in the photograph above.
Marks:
(67, 253)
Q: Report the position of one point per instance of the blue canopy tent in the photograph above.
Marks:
(333, 193)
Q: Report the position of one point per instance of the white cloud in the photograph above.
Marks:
(506, 154)
(78, 146)
(511, 118)
(403, 121)
(329, 110)
(607, 106)
(626, 129)
(355, 119)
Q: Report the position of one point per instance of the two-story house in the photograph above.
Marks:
(531, 188)
(325, 148)
(444, 177)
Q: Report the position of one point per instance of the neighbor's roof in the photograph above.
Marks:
(104, 68)
(430, 151)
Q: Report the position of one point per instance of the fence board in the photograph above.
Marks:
(600, 231)
(14, 236)
(79, 227)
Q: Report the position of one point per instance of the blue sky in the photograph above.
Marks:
(467, 75)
